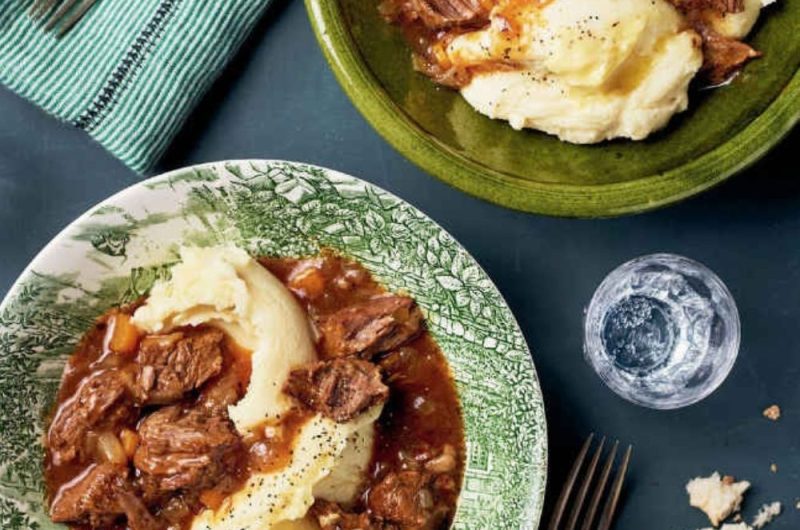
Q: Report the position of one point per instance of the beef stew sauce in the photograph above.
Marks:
(140, 437)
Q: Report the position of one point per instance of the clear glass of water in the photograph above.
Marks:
(662, 331)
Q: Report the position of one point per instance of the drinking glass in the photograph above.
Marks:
(662, 331)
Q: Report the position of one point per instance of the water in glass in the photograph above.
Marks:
(662, 331)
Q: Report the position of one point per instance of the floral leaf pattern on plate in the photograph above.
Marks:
(114, 253)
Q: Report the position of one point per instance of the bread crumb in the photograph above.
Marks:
(737, 518)
(766, 514)
(737, 526)
(773, 468)
(772, 412)
(717, 497)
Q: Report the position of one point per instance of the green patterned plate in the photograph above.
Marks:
(115, 252)
(724, 130)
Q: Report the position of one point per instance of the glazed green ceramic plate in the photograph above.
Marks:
(114, 253)
(725, 129)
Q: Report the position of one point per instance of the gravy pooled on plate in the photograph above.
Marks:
(187, 409)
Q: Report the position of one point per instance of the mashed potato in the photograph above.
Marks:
(738, 25)
(286, 495)
(226, 288)
(588, 71)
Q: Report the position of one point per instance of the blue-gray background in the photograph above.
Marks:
(279, 100)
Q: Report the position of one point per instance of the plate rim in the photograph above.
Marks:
(644, 194)
(42, 254)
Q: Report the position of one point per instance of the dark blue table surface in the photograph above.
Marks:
(278, 99)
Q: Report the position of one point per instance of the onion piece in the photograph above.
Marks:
(130, 441)
(444, 463)
(110, 449)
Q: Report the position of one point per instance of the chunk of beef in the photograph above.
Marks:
(439, 14)
(340, 388)
(171, 365)
(376, 325)
(91, 496)
(723, 56)
(99, 496)
(101, 399)
(223, 391)
(184, 449)
(722, 7)
(139, 518)
(405, 498)
(331, 516)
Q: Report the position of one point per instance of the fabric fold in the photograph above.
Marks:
(129, 73)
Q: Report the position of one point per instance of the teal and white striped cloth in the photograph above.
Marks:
(130, 72)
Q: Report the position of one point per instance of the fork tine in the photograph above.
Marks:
(587, 481)
(616, 488)
(600, 488)
(563, 497)
(75, 17)
(60, 12)
(41, 7)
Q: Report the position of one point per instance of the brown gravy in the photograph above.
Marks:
(422, 413)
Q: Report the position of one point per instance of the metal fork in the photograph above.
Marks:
(599, 487)
(59, 15)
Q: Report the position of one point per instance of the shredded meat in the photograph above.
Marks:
(340, 388)
(407, 500)
(101, 399)
(440, 14)
(222, 392)
(723, 56)
(91, 496)
(139, 518)
(98, 497)
(331, 516)
(429, 26)
(377, 325)
(184, 449)
(403, 498)
(719, 6)
(171, 365)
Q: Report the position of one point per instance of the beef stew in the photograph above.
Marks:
(140, 437)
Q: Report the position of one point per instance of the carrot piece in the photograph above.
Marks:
(212, 499)
(308, 282)
(122, 336)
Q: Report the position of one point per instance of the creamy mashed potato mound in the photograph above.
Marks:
(226, 288)
(286, 495)
(588, 70)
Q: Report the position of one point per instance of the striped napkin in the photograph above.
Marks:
(130, 72)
